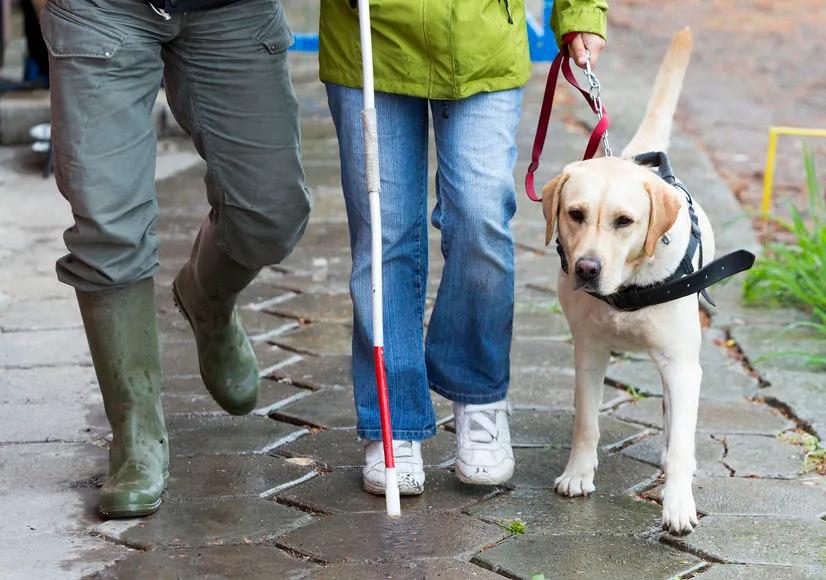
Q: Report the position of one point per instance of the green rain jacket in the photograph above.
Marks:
(442, 49)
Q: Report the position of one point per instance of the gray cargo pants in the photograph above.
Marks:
(227, 83)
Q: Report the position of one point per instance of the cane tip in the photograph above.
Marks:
(391, 495)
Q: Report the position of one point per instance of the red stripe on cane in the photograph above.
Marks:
(384, 406)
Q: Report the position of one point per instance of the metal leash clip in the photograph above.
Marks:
(594, 91)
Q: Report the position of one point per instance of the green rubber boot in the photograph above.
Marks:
(123, 338)
(205, 291)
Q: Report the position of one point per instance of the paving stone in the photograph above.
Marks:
(44, 348)
(332, 407)
(757, 540)
(315, 308)
(545, 511)
(224, 434)
(744, 496)
(206, 523)
(555, 428)
(30, 315)
(225, 476)
(269, 356)
(721, 417)
(66, 554)
(547, 354)
(328, 278)
(767, 345)
(348, 537)
(317, 372)
(719, 383)
(538, 468)
(758, 572)
(341, 491)
(419, 569)
(803, 392)
(342, 449)
(260, 325)
(50, 403)
(553, 387)
(180, 358)
(708, 452)
(587, 557)
(759, 456)
(321, 338)
(539, 318)
(246, 562)
(59, 466)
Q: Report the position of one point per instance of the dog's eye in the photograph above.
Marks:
(577, 215)
(623, 221)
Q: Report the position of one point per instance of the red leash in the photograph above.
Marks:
(563, 62)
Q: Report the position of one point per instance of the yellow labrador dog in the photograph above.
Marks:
(619, 224)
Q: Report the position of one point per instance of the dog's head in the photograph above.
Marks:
(610, 213)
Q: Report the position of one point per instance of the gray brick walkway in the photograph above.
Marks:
(277, 493)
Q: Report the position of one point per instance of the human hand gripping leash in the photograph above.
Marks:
(592, 96)
(371, 162)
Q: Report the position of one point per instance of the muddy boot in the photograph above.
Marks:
(123, 338)
(205, 291)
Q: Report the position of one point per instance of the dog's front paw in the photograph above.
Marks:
(575, 482)
(679, 511)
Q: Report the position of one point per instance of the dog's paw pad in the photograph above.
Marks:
(574, 484)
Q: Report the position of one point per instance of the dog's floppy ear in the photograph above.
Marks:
(664, 210)
(550, 203)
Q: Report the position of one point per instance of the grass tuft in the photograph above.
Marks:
(795, 274)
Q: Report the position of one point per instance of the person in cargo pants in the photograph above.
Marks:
(224, 67)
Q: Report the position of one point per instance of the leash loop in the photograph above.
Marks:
(592, 96)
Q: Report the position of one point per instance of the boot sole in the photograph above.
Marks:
(176, 299)
(135, 511)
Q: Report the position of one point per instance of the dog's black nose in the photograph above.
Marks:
(588, 268)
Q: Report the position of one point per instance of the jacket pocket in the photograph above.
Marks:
(275, 36)
(68, 35)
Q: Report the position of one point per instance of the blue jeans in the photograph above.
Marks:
(466, 356)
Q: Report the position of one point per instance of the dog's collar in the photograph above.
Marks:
(684, 281)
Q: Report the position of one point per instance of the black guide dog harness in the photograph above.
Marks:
(685, 280)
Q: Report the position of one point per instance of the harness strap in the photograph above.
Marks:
(635, 298)
(561, 62)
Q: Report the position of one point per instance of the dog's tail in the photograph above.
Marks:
(655, 130)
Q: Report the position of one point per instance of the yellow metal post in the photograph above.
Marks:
(768, 175)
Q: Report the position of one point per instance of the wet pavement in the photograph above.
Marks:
(278, 493)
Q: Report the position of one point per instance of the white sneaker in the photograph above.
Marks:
(409, 467)
(483, 443)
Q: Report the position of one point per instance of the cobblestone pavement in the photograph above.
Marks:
(277, 493)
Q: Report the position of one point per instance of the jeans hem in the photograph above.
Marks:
(398, 435)
(470, 399)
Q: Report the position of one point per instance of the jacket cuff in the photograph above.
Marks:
(593, 20)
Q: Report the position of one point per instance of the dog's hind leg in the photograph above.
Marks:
(681, 388)
(591, 360)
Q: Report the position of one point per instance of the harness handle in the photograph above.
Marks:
(562, 62)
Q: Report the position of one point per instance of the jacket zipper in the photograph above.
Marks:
(508, 11)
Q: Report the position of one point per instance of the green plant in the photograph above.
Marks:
(635, 394)
(795, 274)
(815, 458)
(515, 527)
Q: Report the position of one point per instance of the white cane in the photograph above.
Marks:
(371, 163)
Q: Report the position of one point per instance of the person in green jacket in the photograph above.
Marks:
(464, 62)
